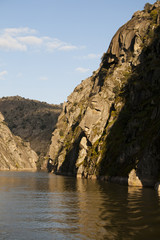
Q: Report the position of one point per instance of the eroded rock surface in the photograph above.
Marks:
(15, 154)
(110, 125)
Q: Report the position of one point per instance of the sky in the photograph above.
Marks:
(47, 47)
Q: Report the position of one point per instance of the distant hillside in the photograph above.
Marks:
(32, 120)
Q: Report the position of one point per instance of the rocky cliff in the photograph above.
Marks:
(15, 154)
(31, 120)
(110, 125)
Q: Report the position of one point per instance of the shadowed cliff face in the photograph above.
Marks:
(15, 154)
(110, 125)
(133, 140)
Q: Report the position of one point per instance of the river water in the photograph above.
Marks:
(38, 205)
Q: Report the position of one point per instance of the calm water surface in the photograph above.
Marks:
(38, 205)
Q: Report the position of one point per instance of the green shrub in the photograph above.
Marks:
(147, 7)
(61, 133)
(154, 15)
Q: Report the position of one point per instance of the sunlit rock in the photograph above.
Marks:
(133, 179)
(15, 154)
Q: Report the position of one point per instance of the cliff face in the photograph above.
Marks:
(110, 125)
(31, 120)
(15, 154)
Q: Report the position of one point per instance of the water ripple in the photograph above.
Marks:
(44, 206)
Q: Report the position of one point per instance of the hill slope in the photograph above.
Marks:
(31, 120)
(110, 125)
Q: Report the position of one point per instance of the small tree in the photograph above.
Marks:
(154, 15)
(147, 7)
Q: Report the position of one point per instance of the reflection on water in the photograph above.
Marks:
(44, 206)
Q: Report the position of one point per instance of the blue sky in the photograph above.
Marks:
(47, 47)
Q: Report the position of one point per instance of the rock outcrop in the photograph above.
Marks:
(110, 125)
(31, 120)
(15, 154)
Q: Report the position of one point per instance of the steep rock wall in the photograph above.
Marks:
(110, 125)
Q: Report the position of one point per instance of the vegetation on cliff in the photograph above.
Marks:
(31, 120)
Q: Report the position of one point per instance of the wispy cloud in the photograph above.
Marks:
(30, 40)
(82, 70)
(55, 43)
(2, 74)
(21, 39)
(92, 56)
(67, 47)
(15, 31)
(8, 43)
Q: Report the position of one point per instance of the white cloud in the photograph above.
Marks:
(9, 43)
(93, 56)
(82, 70)
(55, 43)
(9, 38)
(30, 40)
(68, 47)
(21, 39)
(2, 74)
(16, 31)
